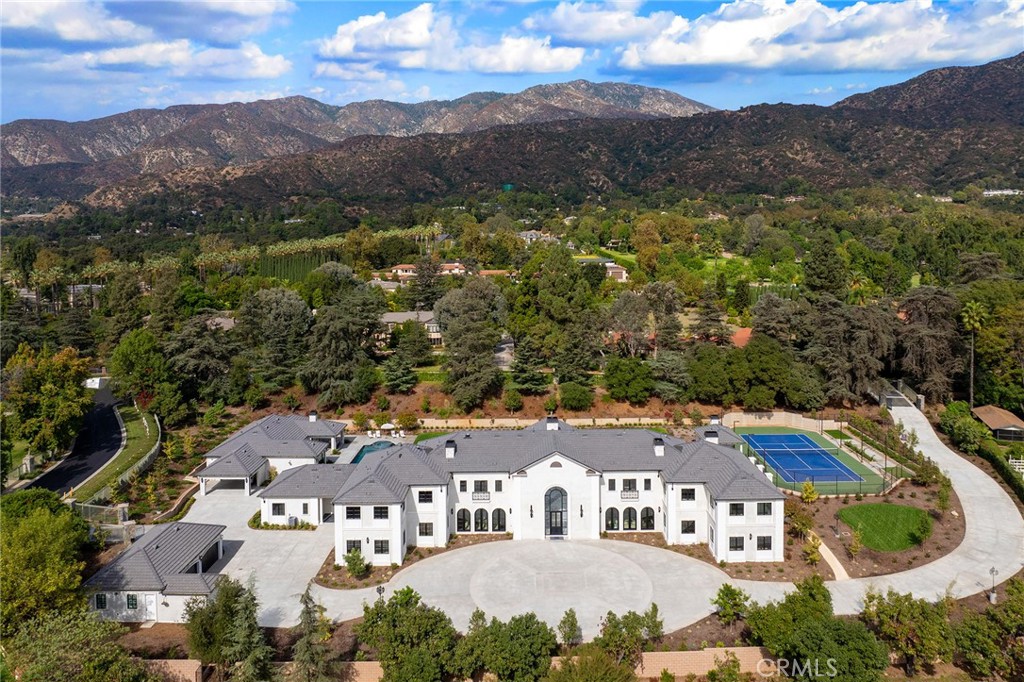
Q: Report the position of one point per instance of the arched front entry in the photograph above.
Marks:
(556, 517)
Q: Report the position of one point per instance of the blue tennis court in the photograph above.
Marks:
(797, 458)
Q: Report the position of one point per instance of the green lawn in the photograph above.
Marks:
(838, 435)
(426, 435)
(888, 527)
(138, 444)
(18, 450)
(432, 374)
(872, 481)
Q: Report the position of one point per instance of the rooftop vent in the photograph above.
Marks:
(711, 437)
(659, 447)
(313, 415)
(449, 449)
(552, 423)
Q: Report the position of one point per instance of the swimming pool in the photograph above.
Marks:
(371, 447)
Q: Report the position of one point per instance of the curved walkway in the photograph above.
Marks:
(593, 577)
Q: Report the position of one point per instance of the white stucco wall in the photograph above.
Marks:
(152, 606)
(750, 526)
(653, 499)
(368, 529)
(292, 508)
(286, 463)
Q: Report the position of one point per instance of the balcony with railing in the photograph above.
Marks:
(481, 496)
(630, 494)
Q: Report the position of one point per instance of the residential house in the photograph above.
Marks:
(404, 271)
(423, 317)
(548, 481)
(616, 272)
(277, 441)
(1005, 425)
(154, 578)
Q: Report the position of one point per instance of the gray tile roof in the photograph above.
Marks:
(421, 316)
(242, 463)
(309, 480)
(384, 476)
(283, 435)
(158, 560)
(726, 436)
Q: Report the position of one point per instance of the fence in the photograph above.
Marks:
(790, 419)
(514, 423)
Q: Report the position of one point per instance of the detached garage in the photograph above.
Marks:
(242, 468)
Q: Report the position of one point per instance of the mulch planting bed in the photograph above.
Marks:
(336, 576)
(947, 531)
(793, 568)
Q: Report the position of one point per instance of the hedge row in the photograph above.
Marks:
(990, 452)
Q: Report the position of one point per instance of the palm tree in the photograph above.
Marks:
(973, 317)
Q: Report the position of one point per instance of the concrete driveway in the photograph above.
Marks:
(282, 562)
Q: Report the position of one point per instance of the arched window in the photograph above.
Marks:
(480, 525)
(629, 519)
(647, 519)
(611, 519)
(498, 521)
(462, 521)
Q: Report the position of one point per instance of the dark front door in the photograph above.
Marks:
(555, 506)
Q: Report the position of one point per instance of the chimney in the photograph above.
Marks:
(449, 449)
(715, 420)
(552, 423)
(711, 437)
(312, 415)
(659, 447)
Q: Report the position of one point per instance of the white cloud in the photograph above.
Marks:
(352, 71)
(821, 91)
(424, 38)
(180, 57)
(810, 36)
(224, 22)
(589, 23)
(71, 20)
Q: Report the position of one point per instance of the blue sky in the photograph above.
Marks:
(81, 59)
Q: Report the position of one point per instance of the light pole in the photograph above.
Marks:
(992, 595)
(380, 593)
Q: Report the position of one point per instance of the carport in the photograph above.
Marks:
(243, 466)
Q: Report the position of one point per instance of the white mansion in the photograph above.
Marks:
(548, 481)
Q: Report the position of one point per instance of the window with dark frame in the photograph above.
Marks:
(132, 601)
(689, 494)
(736, 543)
(479, 486)
(629, 519)
(463, 521)
(101, 601)
(356, 545)
(498, 521)
(481, 520)
(647, 484)
(764, 508)
(689, 528)
(380, 512)
(426, 497)
(611, 519)
(381, 547)
(462, 486)
(764, 542)
(305, 508)
(426, 530)
(629, 484)
(353, 512)
(497, 486)
(277, 509)
(736, 509)
(611, 484)
(647, 519)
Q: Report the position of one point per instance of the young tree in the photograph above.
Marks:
(731, 603)
(312, 658)
(72, 646)
(569, 631)
(513, 400)
(575, 397)
(590, 664)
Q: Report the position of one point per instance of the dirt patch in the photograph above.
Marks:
(792, 569)
(947, 531)
(335, 576)
(97, 559)
(163, 640)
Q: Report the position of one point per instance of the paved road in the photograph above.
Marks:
(505, 578)
(98, 441)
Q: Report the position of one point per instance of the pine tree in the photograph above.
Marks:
(312, 658)
(526, 374)
(246, 647)
(398, 374)
(709, 326)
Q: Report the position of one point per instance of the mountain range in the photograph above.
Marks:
(940, 130)
(89, 154)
